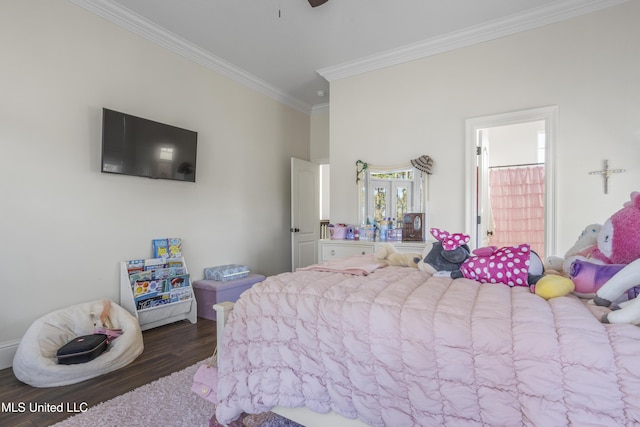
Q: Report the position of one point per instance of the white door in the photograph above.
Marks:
(305, 213)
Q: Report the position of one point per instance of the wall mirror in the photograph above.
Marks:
(389, 192)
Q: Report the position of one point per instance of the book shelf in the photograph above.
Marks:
(161, 306)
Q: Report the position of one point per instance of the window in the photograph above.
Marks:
(390, 193)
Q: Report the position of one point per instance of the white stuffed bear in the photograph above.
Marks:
(619, 243)
(583, 248)
(390, 255)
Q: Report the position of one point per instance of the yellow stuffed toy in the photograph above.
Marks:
(390, 255)
(553, 285)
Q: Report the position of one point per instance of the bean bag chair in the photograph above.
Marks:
(35, 361)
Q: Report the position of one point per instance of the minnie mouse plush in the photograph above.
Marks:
(513, 266)
(446, 255)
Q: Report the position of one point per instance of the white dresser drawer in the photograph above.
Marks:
(404, 247)
(330, 250)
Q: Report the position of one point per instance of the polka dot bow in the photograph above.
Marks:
(450, 241)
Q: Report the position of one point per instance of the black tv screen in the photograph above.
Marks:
(135, 146)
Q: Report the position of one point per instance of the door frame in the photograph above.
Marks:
(472, 127)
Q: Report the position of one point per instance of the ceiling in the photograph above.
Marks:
(291, 51)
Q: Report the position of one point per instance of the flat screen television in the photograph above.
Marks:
(140, 147)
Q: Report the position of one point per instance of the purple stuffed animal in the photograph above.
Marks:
(588, 277)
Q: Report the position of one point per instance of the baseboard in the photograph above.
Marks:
(7, 351)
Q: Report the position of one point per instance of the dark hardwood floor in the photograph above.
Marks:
(167, 349)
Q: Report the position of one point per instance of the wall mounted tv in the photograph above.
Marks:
(141, 147)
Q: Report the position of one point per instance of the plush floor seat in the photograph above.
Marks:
(35, 360)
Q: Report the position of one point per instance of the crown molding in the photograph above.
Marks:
(320, 108)
(135, 23)
(555, 12)
(538, 17)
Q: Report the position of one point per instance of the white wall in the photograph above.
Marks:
(319, 138)
(587, 66)
(319, 141)
(514, 144)
(325, 192)
(64, 225)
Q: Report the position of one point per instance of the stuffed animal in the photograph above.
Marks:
(619, 243)
(513, 266)
(588, 277)
(390, 255)
(552, 286)
(583, 248)
(103, 323)
(445, 255)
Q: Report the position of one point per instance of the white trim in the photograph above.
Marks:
(550, 117)
(308, 418)
(141, 26)
(534, 18)
(555, 12)
(7, 352)
(320, 108)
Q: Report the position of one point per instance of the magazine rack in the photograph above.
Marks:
(153, 317)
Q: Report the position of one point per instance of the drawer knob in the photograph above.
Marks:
(333, 251)
(362, 252)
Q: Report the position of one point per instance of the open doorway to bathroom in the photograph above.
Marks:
(511, 186)
(514, 210)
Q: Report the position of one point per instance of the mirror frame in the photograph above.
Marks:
(420, 194)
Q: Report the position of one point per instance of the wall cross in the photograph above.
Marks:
(606, 173)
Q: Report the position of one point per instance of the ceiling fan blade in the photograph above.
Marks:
(316, 3)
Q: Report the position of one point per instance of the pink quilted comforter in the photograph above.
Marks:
(402, 348)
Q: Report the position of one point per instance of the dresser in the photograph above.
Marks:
(332, 249)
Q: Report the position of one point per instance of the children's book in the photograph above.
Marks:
(163, 273)
(175, 247)
(143, 289)
(140, 276)
(160, 248)
(167, 248)
(135, 265)
(153, 301)
(178, 282)
(180, 294)
(175, 263)
(155, 263)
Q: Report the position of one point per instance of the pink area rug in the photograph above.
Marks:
(166, 402)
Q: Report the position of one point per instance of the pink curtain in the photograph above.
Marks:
(517, 206)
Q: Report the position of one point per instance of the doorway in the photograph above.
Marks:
(510, 185)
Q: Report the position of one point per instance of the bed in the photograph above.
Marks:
(398, 347)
